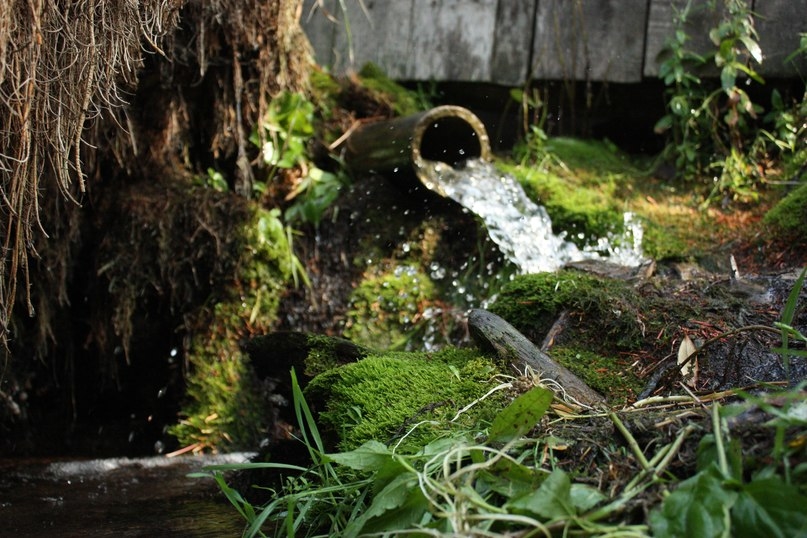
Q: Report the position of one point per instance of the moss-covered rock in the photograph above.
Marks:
(383, 397)
(789, 216)
(605, 312)
(387, 309)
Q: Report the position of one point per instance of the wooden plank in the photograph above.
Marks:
(453, 39)
(661, 28)
(779, 23)
(583, 40)
(377, 32)
(512, 42)
(318, 22)
(492, 333)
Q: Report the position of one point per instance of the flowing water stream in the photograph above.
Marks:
(521, 228)
(120, 497)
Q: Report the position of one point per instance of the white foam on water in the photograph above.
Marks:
(521, 228)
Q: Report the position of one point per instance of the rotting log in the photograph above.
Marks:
(492, 333)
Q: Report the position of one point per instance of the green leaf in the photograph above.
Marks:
(699, 507)
(521, 415)
(398, 505)
(370, 456)
(552, 501)
(663, 124)
(511, 479)
(728, 78)
(707, 455)
(585, 497)
(769, 507)
(753, 48)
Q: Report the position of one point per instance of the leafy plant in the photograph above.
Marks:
(283, 137)
(718, 501)
(705, 123)
(786, 326)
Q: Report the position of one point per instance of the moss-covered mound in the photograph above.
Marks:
(383, 397)
(789, 216)
(606, 311)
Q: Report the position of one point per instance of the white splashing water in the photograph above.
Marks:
(521, 228)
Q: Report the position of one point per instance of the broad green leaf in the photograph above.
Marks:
(699, 507)
(521, 415)
(769, 507)
(663, 124)
(405, 516)
(552, 501)
(585, 497)
(753, 48)
(370, 456)
(511, 479)
(396, 494)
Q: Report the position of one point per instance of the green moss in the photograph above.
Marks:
(595, 157)
(605, 311)
(403, 101)
(610, 376)
(665, 243)
(224, 408)
(386, 310)
(789, 216)
(383, 396)
(578, 183)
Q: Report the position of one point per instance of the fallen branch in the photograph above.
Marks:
(492, 333)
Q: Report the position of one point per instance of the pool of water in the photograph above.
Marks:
(121, 497)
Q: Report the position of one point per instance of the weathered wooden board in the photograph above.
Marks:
(510, 41)
(453, 39)
(661, 27)
(584, 40)
(347, 35)
(513, 40)
(779, 23)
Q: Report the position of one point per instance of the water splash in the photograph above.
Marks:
(521, 228)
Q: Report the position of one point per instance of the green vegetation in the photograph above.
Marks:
(382, 397)
(715, 132)
(402, 101)
(609, 310)
(387, 310)
(610, 376)
(788, 216)
(283, 138)
(497, 482)
(442, 443)
(224, 408)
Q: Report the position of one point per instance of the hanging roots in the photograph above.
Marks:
(62, 64)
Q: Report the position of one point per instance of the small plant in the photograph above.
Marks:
(720, 501)
(713, 130)
(283, 137)
(225, 407)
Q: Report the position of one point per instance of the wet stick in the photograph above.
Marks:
(491, 332)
